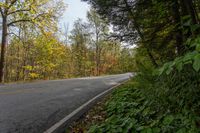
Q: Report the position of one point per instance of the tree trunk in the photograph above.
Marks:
(178, 31)
(191, 10)
(97, 54)
(18, 65)
(3, 47)
(152, 58)
(184, 13)
(136, 26)
(188, 8)
(97, 59)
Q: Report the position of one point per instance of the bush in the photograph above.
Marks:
(154, 104)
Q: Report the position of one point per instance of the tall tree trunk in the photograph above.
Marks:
(18, 64)
(196, 12)
(97, 59)
(97, 54)
(191, 10)
(178, 31)
(3, 47)
(136, 26)
(184, 12)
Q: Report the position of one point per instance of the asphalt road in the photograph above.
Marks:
(34, 107)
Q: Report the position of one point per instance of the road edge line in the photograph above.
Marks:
(60, 126)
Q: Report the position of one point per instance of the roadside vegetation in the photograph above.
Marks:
(164, 95)
(151, 105)
(146, 104)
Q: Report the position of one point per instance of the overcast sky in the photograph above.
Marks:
(75, 9)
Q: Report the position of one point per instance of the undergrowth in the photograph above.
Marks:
(154, 104)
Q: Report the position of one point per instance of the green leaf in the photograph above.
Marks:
(178, 63)
(161, 70)
(146, 111)
(195, 27)
(198, 46)
(189, 56)
(169, 70)
(168, 120)
(196, 64)
(147, 130)
(182, 130)
(93, 129)
(156, 130)
(179, 66)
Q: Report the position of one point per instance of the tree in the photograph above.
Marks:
(79, 39)
(160, 27)
(37, 12)
(120, 15)
(38, 57)
(99, 30)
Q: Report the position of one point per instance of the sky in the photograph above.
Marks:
(75, 9)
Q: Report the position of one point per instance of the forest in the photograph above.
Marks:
(159, 40)
(163, 97)
(34, 48)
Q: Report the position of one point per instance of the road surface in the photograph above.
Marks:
(34, 107)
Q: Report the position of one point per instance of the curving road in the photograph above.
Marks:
(34, 107)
